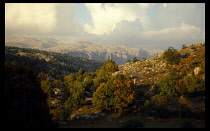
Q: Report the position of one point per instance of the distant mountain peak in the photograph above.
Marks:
(85, 49)
(32, 42)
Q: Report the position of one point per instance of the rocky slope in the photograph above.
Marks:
(102, 52)
(148, 71)
(93, 51)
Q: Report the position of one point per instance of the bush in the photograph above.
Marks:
(158, 100)
(167, 86)
(171, 55)
(194, 84)
(134, 59)
(184, 46)
(132, 123)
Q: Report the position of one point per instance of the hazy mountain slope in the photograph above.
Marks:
(93, 51)
(102, 52)
(32, 42)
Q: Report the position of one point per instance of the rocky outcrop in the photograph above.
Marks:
(148, 71)
(144, 71)
(102, 52)
(197, 70)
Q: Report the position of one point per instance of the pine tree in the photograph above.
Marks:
(134, 59)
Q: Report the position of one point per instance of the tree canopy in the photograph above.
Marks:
(25, 101)
(171, 55)
(117, 93)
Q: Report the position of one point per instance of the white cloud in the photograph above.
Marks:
(105, 17)
(30, 17)
(130, 33)
(177, 13)
(142, 25)
(164, 5)
(181, 32)
(174, 36)
(41, 19)
(144, 5)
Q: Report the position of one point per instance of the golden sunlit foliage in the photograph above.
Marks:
(116, 94)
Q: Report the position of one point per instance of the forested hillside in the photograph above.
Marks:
(171, 82)
(47, 62)
(170, 85)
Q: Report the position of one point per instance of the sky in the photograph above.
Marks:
(138, 25)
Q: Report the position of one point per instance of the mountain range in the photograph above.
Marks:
(93, 51)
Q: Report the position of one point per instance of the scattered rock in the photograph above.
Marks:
(197, 70)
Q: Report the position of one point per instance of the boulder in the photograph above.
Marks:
(197, 70)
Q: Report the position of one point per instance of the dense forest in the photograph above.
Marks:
(47, 62)
(78, 94)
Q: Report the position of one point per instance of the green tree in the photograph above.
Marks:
(194, 84)
(110, 66)
(57, 83)
(128, 61)
(46, 83)
(134, 59)
(158, 100)
(166, 86)
(80, 72)
(117, 94)
(69, 78)
(77, 96)
(88, 83)
(171, 55)
(184, 46)
(101, 77)
(105, 72)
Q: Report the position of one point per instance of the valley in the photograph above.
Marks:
(105, 65)
(80, 92)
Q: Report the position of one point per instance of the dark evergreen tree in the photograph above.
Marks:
(171, 55)
(25, 102)
(134, 59)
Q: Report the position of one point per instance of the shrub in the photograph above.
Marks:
(171, 55)
(184, 46)
(134, 59)
(167, 86)
(194, 84)
(158, 100)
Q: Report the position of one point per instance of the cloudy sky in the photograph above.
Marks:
(140, 25)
